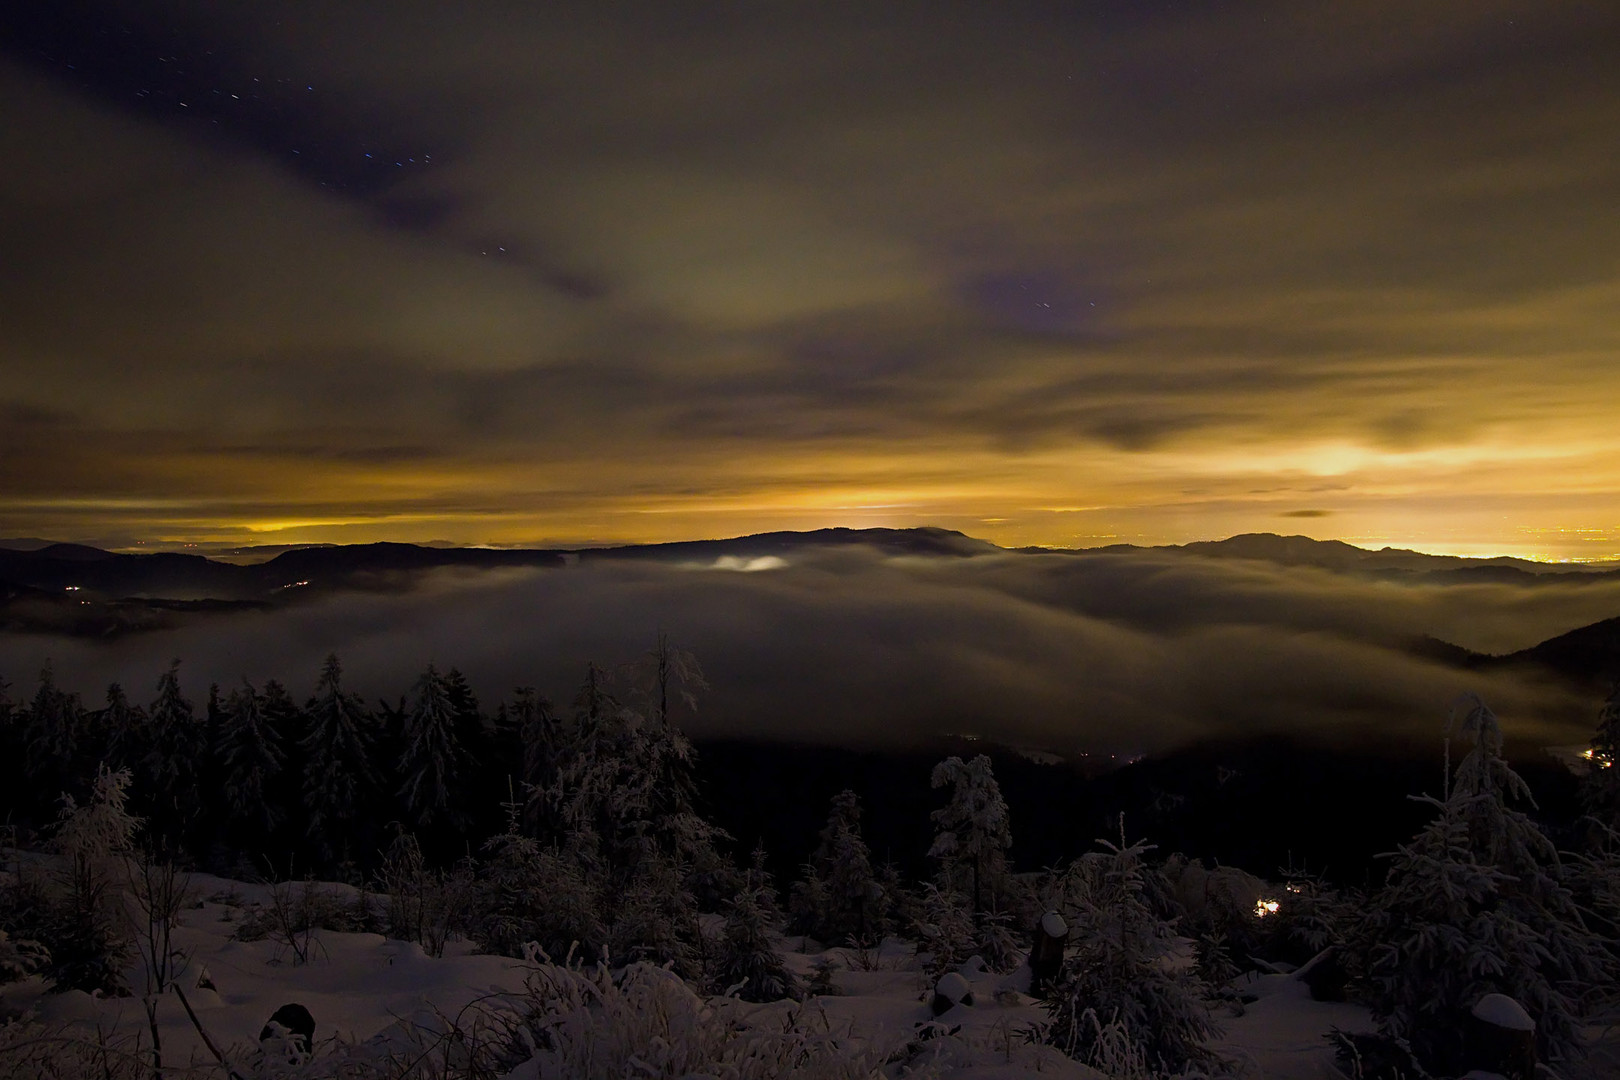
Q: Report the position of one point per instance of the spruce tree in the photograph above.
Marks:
(539, 738)
(125, 728)
(748, 959)
(51, 737)
(1476, 903)
(1115, 980)
(169, 773)
(430, 764)
(12, 775)
(337, 751)
(974, 831)
(250, 757)
(839, 898)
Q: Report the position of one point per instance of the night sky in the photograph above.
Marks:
(1055, 273)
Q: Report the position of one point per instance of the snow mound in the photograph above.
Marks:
(1503, 1012)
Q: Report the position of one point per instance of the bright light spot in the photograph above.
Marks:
(1262, 908)
(75, 588)
(294, 584)
(749, 566)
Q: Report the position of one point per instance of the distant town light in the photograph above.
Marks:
(1262, 908)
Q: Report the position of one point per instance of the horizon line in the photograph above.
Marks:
(212, 549)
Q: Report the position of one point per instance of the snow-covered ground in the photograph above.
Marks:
(363, 988)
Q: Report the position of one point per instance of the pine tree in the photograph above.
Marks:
(1477, 902)
(337, 751)
(430, 765)
(1115, 980)
(250, 756)
(974, 831)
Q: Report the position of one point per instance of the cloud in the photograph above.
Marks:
(1120, 652)
(1140, 261)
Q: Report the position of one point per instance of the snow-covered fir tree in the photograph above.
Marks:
(471, 731)
(839, 898)
(431, 762)
(974, 832)
(747, 958)
(337, 749)
(1115, 973)
(250, 756)
(86, 930)
(1476, 903)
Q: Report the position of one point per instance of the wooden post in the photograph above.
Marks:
(1046, 955)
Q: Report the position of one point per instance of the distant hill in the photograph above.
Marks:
(1339, 556)
(1588, 656)
(85, 591)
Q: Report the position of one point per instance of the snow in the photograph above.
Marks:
(1281, 1033)
(361, 986)
(1503, 1012)
(953, 987)
(1052, 925)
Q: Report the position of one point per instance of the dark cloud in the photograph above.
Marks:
(1124, 652)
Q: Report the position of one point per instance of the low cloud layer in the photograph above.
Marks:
(1123, 653)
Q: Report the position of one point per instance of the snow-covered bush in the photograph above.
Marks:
(998, 941)
(40, 1050)
(527, 893)
(590, 1026)
(1118, 977)
(424, 905)
(946, 929)
(20, 958)
(655, 920)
